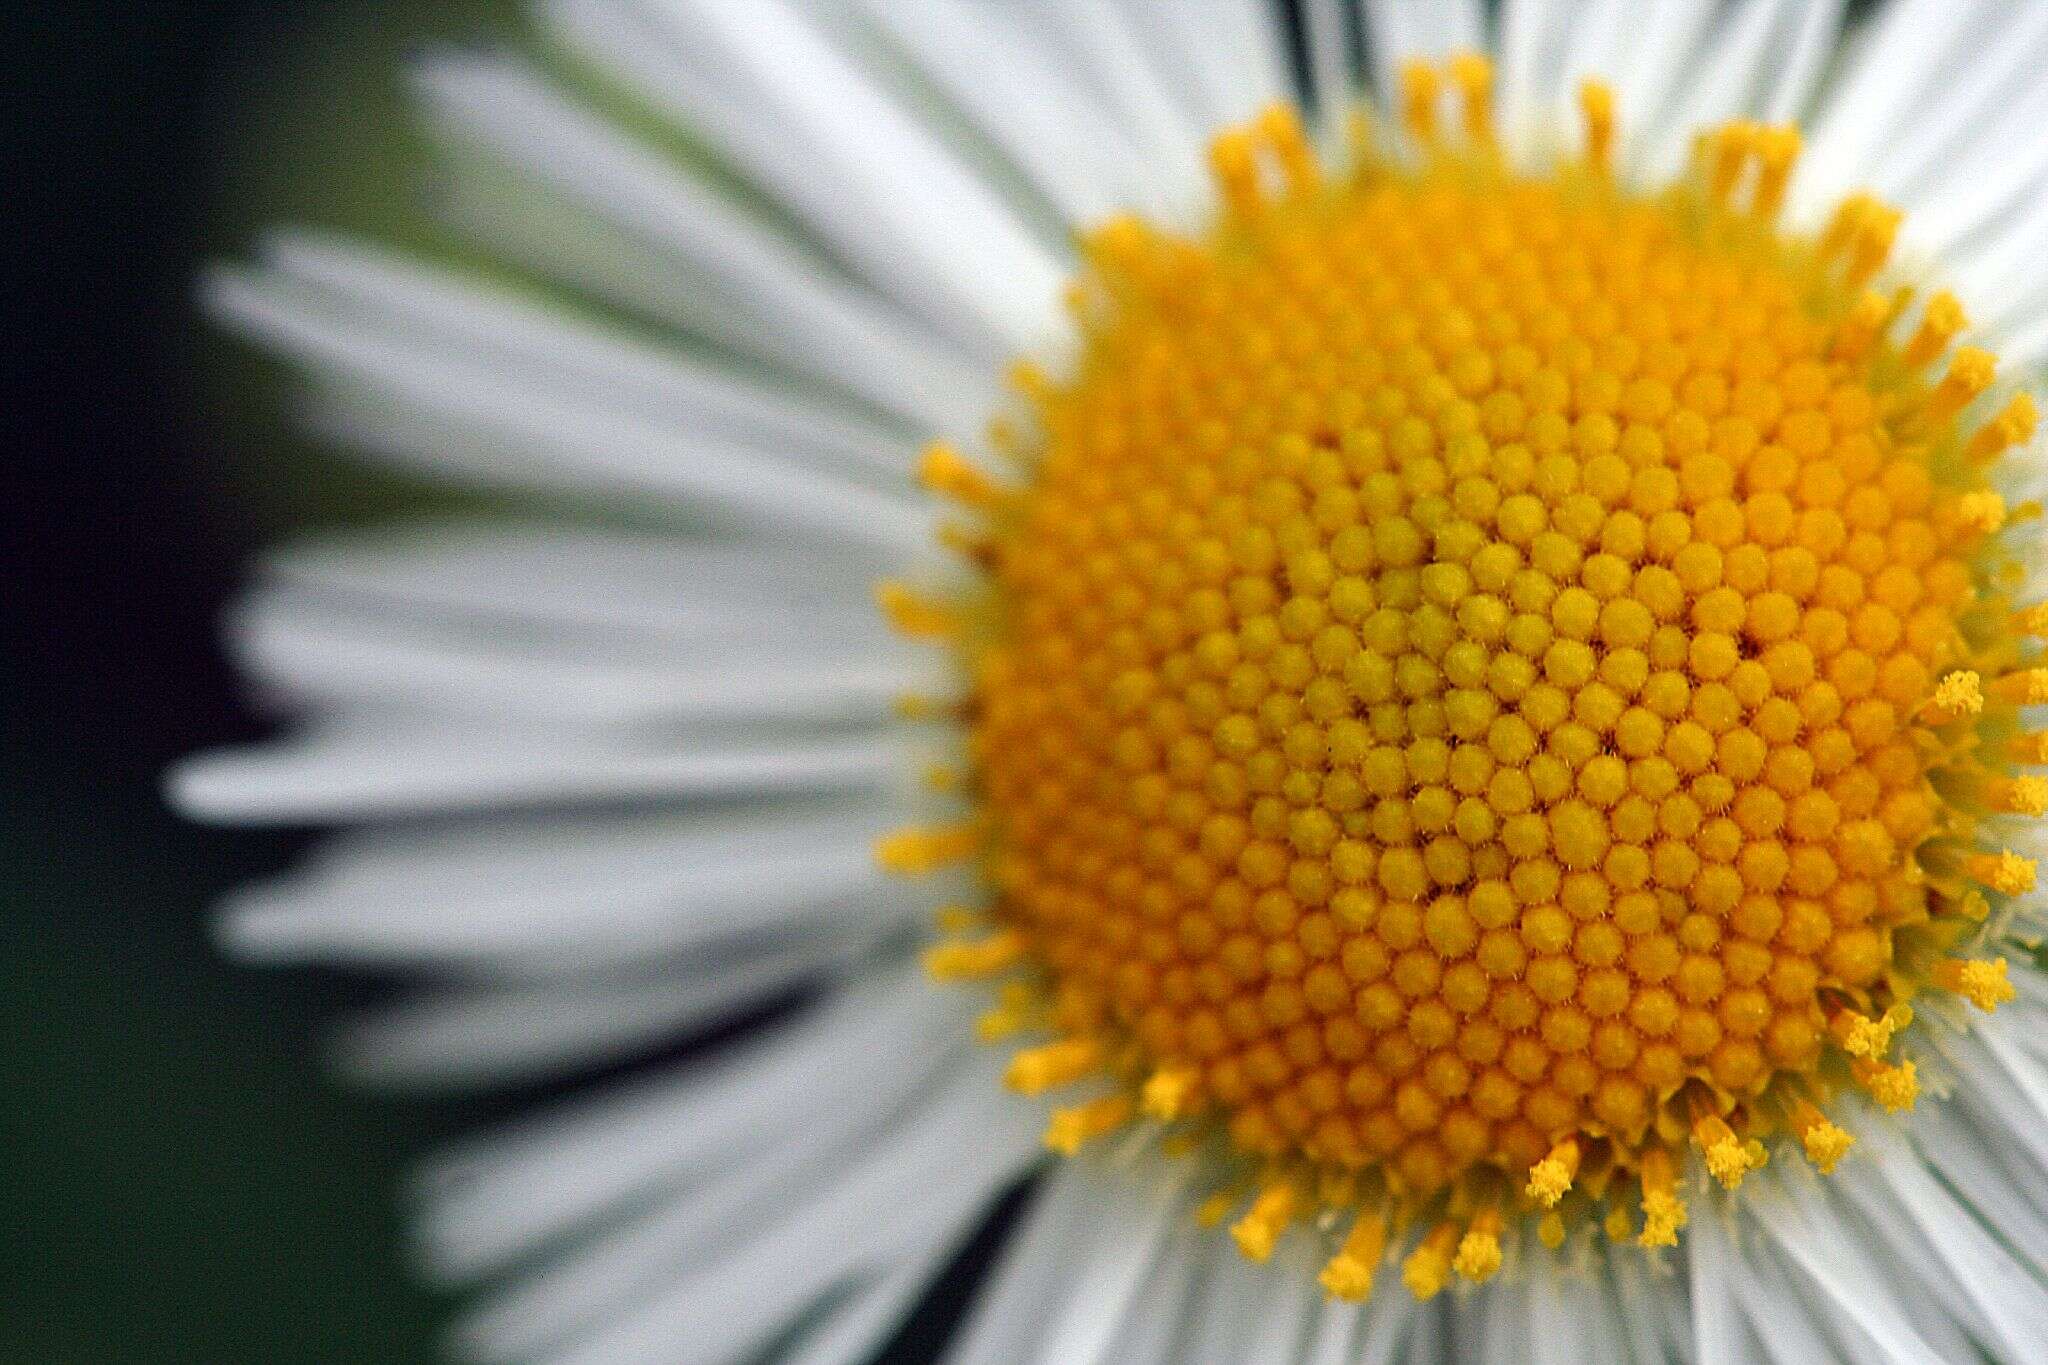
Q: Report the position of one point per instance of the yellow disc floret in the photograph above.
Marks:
(1487, 684)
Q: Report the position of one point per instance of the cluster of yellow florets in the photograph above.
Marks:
(1486, 675)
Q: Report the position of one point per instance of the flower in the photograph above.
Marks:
(1467, 709)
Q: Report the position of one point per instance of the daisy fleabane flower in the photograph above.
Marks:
(1420, 683)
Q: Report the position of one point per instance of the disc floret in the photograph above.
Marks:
(1487, 683)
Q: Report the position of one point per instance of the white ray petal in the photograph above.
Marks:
(1845, 1284)
(880, 1208)
(1105, 1279)
(1890, 72)
(498, 1036)
(1223, 54)
(1009, 82)
(378, 770)
(505, 1191)
(692, 1223)
(763, 295)
(589, 442)
(767, 86)
(577, 582)
(1974, 1277)
(1814, 35)
(1150, 1335)
(1097, 38)
(580, 894)
(1286, 1316)
(314, 653)
(1716, 1321)
(1967, 186)
(582, 357)
(1785, 1328)
(1724, 77)
(1530, 55)
(1028, 1282)
(1326, 32)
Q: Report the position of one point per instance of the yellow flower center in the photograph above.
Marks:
(1488, 679)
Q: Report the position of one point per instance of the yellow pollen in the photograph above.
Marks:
(1428, 1268)
(1981, 513)
(944, 471)
(1983, 983)
(1959, 694)
(1861, 328)
(2029, 687)
(1421, 86)
(1664, 1213)
(1777, 152)
(1970, 373)
(973, 961)
(1473, 75)
(1216, 1208)
(914, 852)
(1167, 1093)
(1728, 1159)
(1038, 1069)
(1069, 1129)
(1259, 1230)
(1479, 1254)
(1349, 1274)
(1016, 1010)
(1596, 107)
(1895, 1087)
(1618, 1225)
(1825, 1143)
(2013, 426)
(1551, 1177)
(1944, 319)
(1862, 1037)
(2018, 795)
(915, 615)
(2006, 872)
(1491, 678)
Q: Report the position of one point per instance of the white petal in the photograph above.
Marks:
(1890, 72)
(1326, 32)
(504, 1192)
(1098, 39)
(512, 1035)
(592, 443)
(583, 357)
(311, 652)
(761, 293)
(1028, 1282)
(1726, 73)
(573, 582)
(767, 86)
(880, 1207)
(574, 895)
(1105, 1280)
(1010, 82)
(380, 770)
(1846, 1286)
(1223, 54)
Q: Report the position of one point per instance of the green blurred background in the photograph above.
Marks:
(182, 1184)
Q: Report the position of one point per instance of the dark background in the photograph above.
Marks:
(179, 1182)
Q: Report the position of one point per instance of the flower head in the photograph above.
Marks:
(1465, 683)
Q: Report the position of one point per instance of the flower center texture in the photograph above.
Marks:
(1483, 682)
